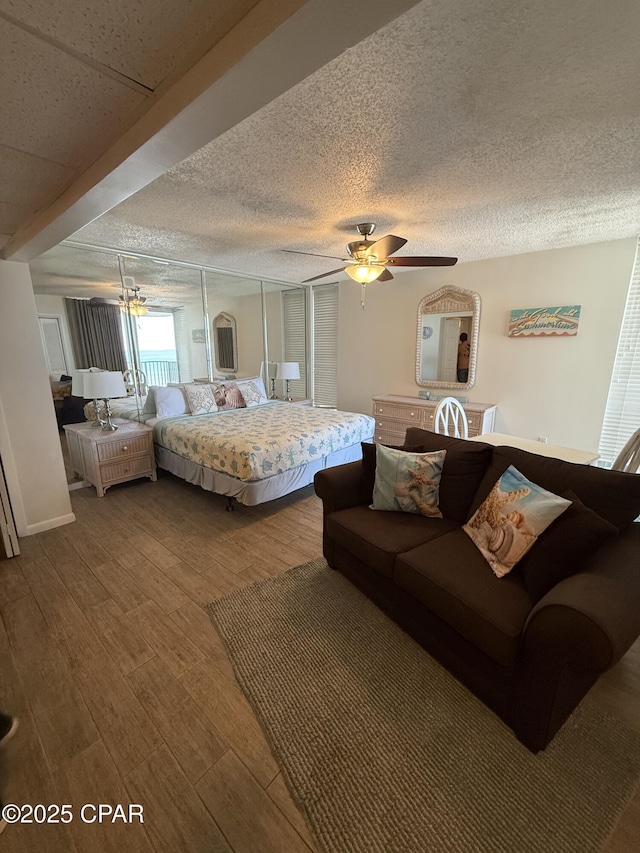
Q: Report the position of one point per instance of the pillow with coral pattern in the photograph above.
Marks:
(514, 513)
(200, 398)
(407, 482)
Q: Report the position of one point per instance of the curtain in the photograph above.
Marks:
(96, 334)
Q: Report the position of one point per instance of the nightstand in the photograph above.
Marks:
(105, 458)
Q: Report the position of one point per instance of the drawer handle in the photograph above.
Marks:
(126, 470)
(125, 448)
(430, 417)
(412, 414)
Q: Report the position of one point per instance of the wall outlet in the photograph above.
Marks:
(542, 438)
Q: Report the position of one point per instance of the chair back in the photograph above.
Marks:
(451, 419)
(629, 457)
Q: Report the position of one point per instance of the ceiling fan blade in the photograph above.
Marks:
(386, 246)
(385, 276)
(312, 254)
(422, 262)
(323, 275)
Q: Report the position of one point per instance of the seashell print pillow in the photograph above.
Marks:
(407, 482)
(513, 515)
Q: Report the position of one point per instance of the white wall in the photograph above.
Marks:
(54, 307)
(553, 387)
(29, 441)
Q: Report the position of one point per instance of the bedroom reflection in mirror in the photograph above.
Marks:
(225, 343)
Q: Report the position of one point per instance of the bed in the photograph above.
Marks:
(254, 454)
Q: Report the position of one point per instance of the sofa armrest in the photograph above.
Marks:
(601, 606)
(342, 486)
(581, 628)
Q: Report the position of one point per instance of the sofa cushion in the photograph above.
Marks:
(370, 456)
(463, 470)
(451, 577)
(376, 538)
(510, 519)
(563, 547)
(407, 482)
(613, 495)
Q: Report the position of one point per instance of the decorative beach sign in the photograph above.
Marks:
(559, 320)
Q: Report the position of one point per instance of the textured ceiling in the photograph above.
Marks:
(74, 77)
(475, 128)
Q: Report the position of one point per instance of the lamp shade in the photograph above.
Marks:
(364, 273)
(104, 385)
(288, 370)
(77, 383)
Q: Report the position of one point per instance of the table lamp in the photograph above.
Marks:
(78, 390)
(105, 386)
(288, 370)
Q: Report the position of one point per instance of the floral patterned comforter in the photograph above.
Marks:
(261, 441)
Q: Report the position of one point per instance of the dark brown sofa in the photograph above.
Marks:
(530, 644)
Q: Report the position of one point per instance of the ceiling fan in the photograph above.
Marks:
(369, 259)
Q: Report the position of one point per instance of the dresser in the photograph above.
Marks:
(105, 458)
(394, 413)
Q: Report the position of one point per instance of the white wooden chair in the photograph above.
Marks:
(629, 457)
(451, 419)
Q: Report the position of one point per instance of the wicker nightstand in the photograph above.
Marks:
(106, 458)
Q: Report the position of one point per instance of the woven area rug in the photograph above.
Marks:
(383, 750)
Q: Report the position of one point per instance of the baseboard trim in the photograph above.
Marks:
(50, 523)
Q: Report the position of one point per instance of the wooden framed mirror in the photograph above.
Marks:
(447, 338)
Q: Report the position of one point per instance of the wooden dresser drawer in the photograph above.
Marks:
(399, 412)
(126, 469)
(396, 439)
(123, 447)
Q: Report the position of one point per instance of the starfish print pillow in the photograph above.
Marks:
(407, 482)
(513, 515)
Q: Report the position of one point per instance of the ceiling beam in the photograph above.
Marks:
(278, 44)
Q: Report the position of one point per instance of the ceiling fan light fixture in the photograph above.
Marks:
(364, 273)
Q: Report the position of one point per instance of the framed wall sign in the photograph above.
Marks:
(558, 320)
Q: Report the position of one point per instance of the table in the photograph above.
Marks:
(556, 451)
(105, 458)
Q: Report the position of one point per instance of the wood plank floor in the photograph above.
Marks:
(124, 690)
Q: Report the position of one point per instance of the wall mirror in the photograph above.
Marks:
(447, 340)
(225, 342)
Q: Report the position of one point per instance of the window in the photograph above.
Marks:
(325, 345)
(157, 347)
(51, 334)
(622, 415)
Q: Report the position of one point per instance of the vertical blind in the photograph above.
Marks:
(294, 316)
(325, 345)
(622, 415)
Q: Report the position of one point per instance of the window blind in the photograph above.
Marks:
(325, 345)
(622, 414)
(294, 315)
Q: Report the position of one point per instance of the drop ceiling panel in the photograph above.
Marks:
(141, 39)
(54, 105)
(27, 181)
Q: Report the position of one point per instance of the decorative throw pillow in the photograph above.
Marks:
(170, 402)
(228, 396)
(407, 482)
(200, 399)
(369, 456)
(513, 515)
(253, 391)
(563, 548)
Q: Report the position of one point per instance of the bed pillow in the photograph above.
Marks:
(149, 407)
(228, 396)
(563, 548)
(253, 391)
(200, 398)
(513, 515)
(407, 482)
(171, 402)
